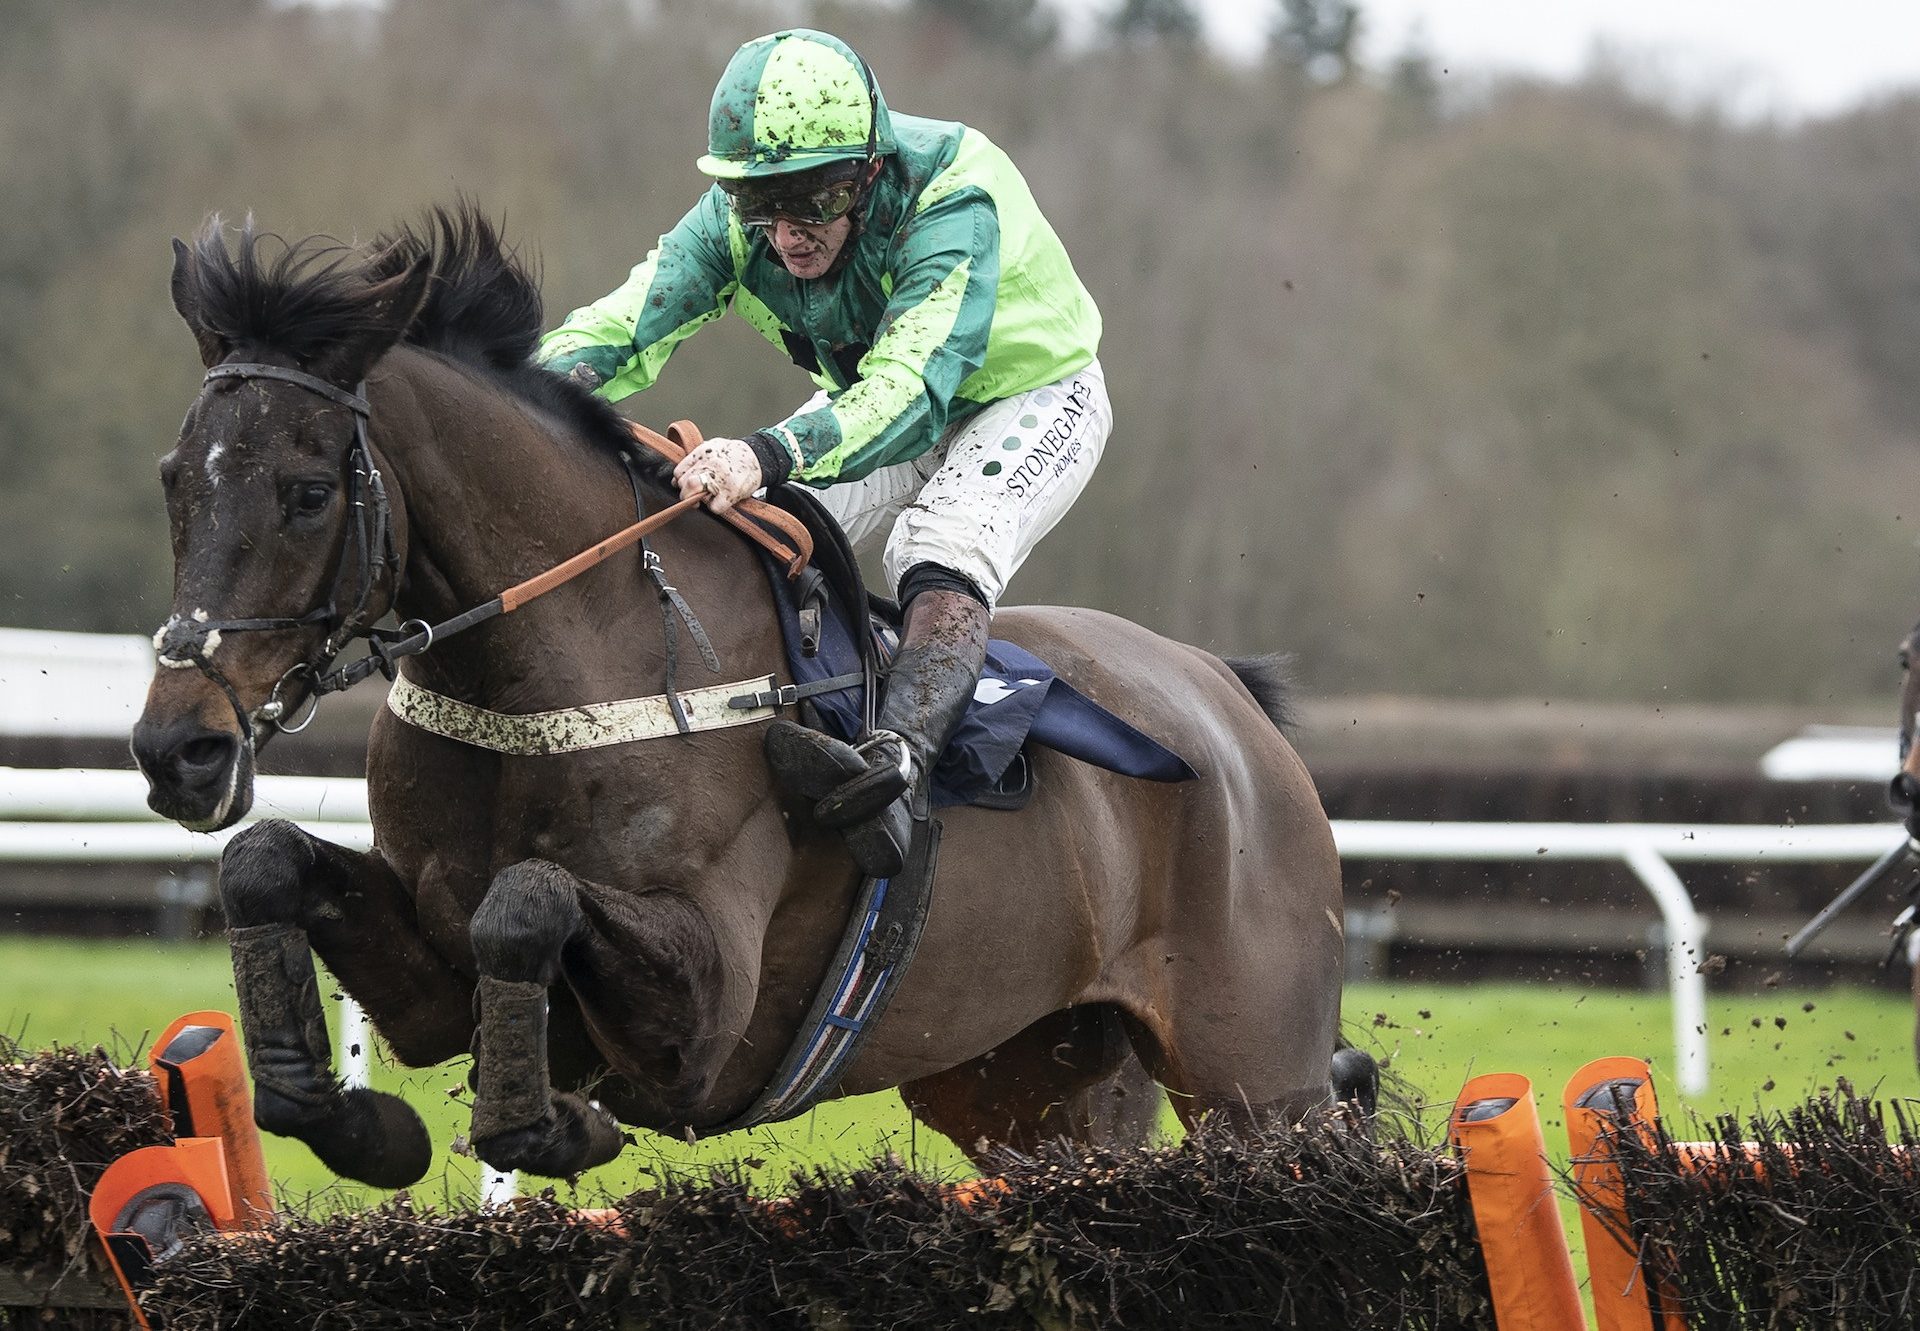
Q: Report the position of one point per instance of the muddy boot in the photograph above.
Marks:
(872, 792)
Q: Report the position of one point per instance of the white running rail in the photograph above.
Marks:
(101, 817)
(1649, 850)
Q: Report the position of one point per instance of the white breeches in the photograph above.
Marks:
(978, 501)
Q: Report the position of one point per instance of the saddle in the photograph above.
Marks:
(839, 636)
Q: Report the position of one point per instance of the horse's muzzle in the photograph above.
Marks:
(199, 777)
(1903, 793)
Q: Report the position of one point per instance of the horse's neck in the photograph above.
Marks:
(487, 497)
(491, 497)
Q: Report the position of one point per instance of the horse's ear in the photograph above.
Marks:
(213, 347)
(392, 305)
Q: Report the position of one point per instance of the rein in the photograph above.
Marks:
(185, 642)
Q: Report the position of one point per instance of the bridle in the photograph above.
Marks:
(189, 642)
(1909, 659)
(184, 642)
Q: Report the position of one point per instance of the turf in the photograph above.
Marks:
(1768, 1050)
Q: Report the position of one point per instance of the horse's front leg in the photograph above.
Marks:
(285, 892)
(645, 969)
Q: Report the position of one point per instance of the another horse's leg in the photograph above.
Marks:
(1072, 1074)
(644, 968)
(1356, 1080)
(1915, 984)
(286, 893)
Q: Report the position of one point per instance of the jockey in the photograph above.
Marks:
(903, 263)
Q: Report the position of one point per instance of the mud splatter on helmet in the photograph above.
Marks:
(793, 101)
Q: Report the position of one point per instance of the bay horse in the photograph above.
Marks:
(649, 921)
(1904, 794)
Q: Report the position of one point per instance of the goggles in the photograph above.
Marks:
(759, 204)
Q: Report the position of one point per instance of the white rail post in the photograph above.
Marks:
(355, 1036)
(1686, 942)
(497, 1189)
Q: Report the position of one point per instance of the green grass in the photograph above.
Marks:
(122, 993)
(1766, 1050)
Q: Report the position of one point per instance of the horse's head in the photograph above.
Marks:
(1904, 792)
(280, 546)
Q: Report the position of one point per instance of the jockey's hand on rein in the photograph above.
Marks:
(725, 470)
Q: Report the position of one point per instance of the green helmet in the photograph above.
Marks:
(792, 101)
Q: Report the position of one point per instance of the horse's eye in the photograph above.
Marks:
(310, 497)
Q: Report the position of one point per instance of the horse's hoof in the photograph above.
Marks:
(574, 1136)
(1356, 1079)
(361, 1134)
(384, 1143)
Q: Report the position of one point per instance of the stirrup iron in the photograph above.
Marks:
(877, 737)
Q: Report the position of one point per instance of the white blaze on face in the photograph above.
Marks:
(215, 456)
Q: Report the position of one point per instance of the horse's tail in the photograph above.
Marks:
(1269, 679)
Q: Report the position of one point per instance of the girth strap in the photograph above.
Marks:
(786, 695)
(572, 729)
(876, 948)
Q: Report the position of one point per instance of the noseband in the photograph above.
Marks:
(191, 641)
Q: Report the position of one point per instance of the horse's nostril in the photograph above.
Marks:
(206, 754)
(1901, 792)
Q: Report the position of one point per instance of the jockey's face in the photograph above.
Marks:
(808, 250)
(807, 218)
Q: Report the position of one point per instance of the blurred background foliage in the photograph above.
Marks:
(1451, 386)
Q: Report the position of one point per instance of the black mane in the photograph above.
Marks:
(483, 310)
(482, 307)
(307, 297)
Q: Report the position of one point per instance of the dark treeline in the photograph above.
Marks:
(1462, 389)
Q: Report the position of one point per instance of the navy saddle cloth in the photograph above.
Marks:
(1018, 699)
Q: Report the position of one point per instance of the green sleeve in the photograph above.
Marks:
(933, 336)
(627, 335)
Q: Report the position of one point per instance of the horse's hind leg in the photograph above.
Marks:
(284, 893)
(1072, 1074)
(643, 967)
(1251, 1051)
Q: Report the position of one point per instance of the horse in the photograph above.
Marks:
(1903, 793)
(630, 935)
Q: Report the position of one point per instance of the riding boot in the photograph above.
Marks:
(875, 791)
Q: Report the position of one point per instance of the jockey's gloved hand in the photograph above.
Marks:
(725, 470)
(585, 375)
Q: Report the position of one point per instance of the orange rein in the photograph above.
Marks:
(520, 593)
(752, 517)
